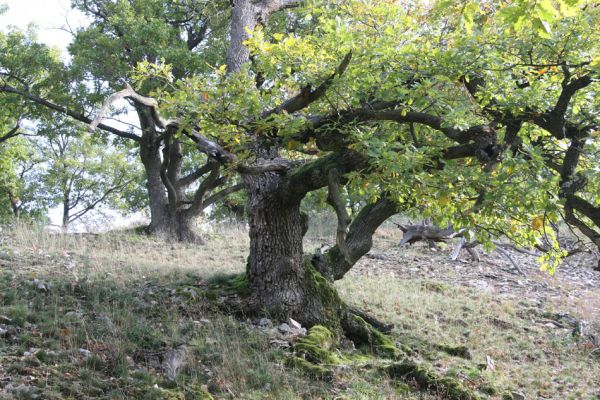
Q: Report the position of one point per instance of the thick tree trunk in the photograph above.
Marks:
(65, 215)
(15, 205)
(282, 283)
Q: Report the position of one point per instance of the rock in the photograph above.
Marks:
(107, 323)
(295, 324)
(481, 286)
(284, 328)
(490, 364)
(85, 353)
(265, 323)
(173, 359)
(41, 286)
(74, 314)
(5, 320)
(278, 343)
(518, 395)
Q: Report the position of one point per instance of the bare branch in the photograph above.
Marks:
(568, 91)
(128, 92)
(221, 195)
(195, 175)
(10, 134)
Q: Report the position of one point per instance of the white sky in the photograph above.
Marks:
(50, 16)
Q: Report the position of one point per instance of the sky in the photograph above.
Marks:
(52, 18)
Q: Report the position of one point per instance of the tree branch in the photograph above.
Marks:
(307, 95)
(335, 200)
(63, 110)
(221, 195)
(10, 134)
(195, 175)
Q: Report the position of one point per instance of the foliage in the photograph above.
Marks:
(467, 63)
(82, 172)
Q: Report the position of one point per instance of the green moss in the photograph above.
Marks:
(200, 393)
(456, 351)
(427, 379)
(314, 370)
(237, 283)
(332, 305)
(316, 346)
(434, 287)
(380, 343)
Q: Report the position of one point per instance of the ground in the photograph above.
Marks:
(122, 316)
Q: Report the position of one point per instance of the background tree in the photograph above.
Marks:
(81, 173)
(17, 160)
(186, 34)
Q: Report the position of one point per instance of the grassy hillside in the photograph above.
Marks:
(120, 316)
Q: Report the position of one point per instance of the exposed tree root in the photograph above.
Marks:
(427, 379)
(314, 354)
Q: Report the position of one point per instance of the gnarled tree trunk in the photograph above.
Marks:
(282, 282)
(167, 222)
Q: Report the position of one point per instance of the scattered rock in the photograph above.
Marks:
(295, 324)
(481, 286)
(106, 322)
(265, 323)
(74, 314)
(41, 286)
(278, 343)
(5, 320)
(491, 365)
(284, 328)
(85, 352)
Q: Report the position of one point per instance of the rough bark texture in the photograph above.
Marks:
(168, 221)
(282, 283)
(359, 241)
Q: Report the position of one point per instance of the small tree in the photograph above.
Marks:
(80, 173)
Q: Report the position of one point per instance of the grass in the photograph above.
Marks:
(110, 306)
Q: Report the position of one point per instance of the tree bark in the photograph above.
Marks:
(169, 224)
(282, 282)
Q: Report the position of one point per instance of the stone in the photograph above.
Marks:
(107, 323)
(295, 324)
(284, 328)
(265, 323)
(518, 395)
(85, 352)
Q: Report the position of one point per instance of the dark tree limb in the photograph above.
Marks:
(10, 134)
(307, 95)
(339, 205)
(221, 195)
(195, 175)
(64, 110)
(359, 240)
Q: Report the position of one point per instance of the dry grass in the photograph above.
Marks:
(139, 284)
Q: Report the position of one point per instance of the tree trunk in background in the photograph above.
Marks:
(170, 225)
